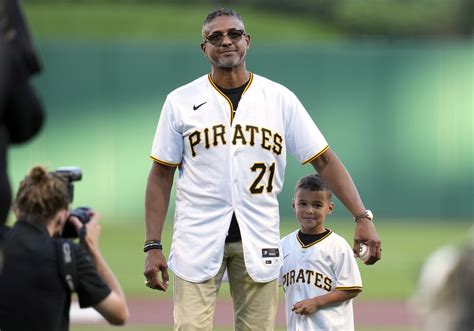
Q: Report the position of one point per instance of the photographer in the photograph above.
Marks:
(34, 295)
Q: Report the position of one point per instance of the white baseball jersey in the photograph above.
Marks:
(314, 270)
(230, 162)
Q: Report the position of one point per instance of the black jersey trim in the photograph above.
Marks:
(225, 96)
(317, 155)
(314, 242)
(164, 162)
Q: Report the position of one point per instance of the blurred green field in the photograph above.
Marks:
(119, 21)
(406, 245)
(403, 81)
(412, 87)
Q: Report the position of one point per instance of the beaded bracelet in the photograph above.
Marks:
(152, 244)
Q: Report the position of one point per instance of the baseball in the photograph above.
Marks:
(364, 252)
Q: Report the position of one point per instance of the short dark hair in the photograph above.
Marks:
(313, 182)
(221, 12)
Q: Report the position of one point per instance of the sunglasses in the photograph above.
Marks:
(217, 38)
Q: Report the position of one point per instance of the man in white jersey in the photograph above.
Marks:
(319, 274)
(228, 133)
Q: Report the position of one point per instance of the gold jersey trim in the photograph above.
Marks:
(314, 242)
(317, 155)
(225, 96)
(164, 162)
(348, 288)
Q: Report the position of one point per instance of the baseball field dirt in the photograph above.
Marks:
(159, 312)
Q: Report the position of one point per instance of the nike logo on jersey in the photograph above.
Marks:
(284, 257)
(196, 107)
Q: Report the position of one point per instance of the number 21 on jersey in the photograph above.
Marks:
(261, 168)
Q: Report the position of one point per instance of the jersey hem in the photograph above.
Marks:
(316, 156)
(164, 162)
(265, 280)
(191, 280)
(200, 280)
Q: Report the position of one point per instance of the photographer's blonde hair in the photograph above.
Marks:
(41, 195)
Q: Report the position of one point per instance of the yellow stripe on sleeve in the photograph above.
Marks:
(164, 162)
(349, 288)
(316, 156)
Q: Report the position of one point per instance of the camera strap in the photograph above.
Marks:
(67, 266)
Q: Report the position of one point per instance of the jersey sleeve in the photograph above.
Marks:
(168, 142)
(303, 138)
(91, 289)
(347, 271)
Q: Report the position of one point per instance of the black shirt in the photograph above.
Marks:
(33, 296)
(309, 239)
(234, 94)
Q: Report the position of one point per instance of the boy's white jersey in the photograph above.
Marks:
(231, 162)
(314, 270)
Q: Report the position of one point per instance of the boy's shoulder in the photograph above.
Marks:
(337, 237)
(338, 240)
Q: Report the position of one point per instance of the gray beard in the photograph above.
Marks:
(231, 63)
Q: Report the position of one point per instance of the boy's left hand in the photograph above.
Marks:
(305, 307)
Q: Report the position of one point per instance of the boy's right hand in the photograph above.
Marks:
(306, 307)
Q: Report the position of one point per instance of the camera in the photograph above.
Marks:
(69, 230)
(72, 174)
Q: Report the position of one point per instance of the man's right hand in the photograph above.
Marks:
(155, 262)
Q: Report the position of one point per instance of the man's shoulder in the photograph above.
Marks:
(337, 240)
(190, 88)
(267, 83)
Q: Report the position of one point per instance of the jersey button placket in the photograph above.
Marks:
(234, 163)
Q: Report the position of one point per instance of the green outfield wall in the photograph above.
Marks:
(399, 114)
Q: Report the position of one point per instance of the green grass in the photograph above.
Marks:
(405, 246)
(73, 20)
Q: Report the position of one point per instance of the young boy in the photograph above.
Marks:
(319, 275)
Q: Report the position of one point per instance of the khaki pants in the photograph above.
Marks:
(255, 304)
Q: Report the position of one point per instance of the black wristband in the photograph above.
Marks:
(152, 244)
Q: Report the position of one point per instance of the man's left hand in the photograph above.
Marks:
(365, 233)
